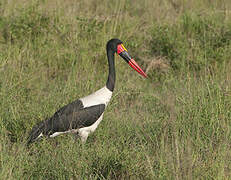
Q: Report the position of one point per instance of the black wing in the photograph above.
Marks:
(71, 116)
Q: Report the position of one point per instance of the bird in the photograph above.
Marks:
(82, 116)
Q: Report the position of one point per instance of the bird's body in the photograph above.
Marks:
(83, 115)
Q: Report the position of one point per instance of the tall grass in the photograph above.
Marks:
(173, 125)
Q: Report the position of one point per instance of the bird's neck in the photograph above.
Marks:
(111, 76)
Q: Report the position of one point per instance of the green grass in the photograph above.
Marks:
(174, 125)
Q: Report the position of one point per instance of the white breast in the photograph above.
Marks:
(102, 96)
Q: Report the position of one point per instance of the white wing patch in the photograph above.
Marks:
(102, 96)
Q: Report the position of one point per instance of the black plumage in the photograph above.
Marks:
(69, 117)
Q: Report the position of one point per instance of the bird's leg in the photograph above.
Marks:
(75, 134)
(84, 139)
(83, 135)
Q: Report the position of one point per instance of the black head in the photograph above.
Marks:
(112, 44)
(116, 46)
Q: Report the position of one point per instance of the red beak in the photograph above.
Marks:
(135, 66)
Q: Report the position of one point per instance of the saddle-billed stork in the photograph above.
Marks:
(83, 115)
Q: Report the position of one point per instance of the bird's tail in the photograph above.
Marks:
(36, 133)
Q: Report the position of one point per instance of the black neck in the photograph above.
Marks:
(111, 76)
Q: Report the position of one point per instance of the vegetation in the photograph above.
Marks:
(174, 125)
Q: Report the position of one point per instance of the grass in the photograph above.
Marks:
(173, 125)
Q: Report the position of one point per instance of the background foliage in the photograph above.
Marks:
(174, 125)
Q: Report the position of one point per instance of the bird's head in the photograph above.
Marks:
(117, 46)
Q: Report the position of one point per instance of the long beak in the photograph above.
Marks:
(122, 51)
(135, 66)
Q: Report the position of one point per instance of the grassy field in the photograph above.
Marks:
(174, 125)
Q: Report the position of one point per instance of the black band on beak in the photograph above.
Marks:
(125, 56)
